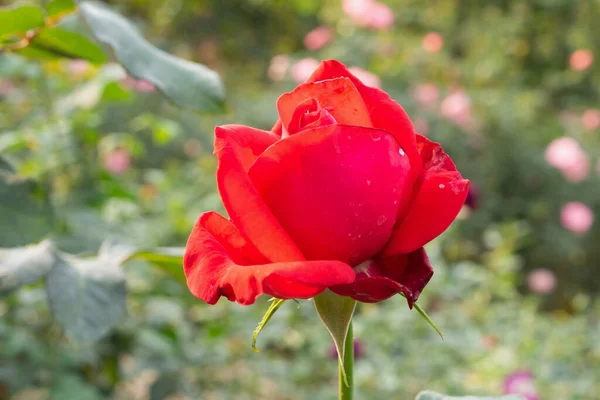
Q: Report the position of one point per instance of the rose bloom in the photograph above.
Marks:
(581, 60)
(341, 194)
(369, 13)
(521, 382)
(541, 281)
(117, 161)
(565, 154)
(433, 42)
(576, 217)
(302, 69)
(591, 119)
(318, 38)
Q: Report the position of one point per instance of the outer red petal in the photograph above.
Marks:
(335, 189)
(437, 203)
(237, 147)
(382, 278)
(218, 262)
(385, 113)
(338, 96)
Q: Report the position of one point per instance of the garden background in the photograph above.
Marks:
(96, 162)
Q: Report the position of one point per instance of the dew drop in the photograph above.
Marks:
(395, 201)
(401, 152)
(368, 182)
(376, 136)
(442, 186)
(381, 220)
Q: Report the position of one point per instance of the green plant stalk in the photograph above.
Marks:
(346, 390)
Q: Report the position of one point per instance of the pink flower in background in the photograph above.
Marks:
(278, 67)
(457, 108)
(591, 119)
(366, 77)
(566, 155)
(421, 126)
(541, 281)
(79, 67)
(358, 351)
(140, 85)
(581, 59)
(579, 170)
(6, 88)
(472, 200)
(380, 16)
(117, 161)
(521, 382)
(369, 13)
(426, 94)
(318, 38)
(576, 217)
(433, 42)
(302, 69)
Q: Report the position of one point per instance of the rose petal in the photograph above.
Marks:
(435, 206)
(385, 113)
(338, 96)
(218, 261)
(384, 277)
(334, 189)
(237, 147)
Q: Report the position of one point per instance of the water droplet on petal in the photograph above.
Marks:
(442, 186)
(401, 152)
(376, 136)
(368, 182)
(381, 220)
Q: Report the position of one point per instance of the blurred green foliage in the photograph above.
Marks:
(89, 153)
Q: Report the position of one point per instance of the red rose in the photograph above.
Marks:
(341, 194)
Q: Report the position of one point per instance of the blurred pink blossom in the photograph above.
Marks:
(79, 67)
(278, 67)
(380, 16)
(433, 42)
(421, 126)
(140, 85)
(457, 108)
(369, 13)
(366, 77)
(302, 69)
(426, 94)
(566, 155)
(579, 170)
(541, 281)
(521, 382)
(581, 59)
(318, 38)
(117, 161)
(576, 217)
(591, 119)
(6, 88)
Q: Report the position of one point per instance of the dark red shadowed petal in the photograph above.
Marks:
(386, 276)
(334, 189)
(237, 147)
(219, 261)
(385, 113)
(338, 96)
(435, 206)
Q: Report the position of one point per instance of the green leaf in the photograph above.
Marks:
(68, 44)
(187, 84)
(24, 265)
(87, 296)
(17, 20)
(429, 395)
(428, 319)
(169, 259)
(60, 7)
(336, 313)
(27, 215)
(275, 304)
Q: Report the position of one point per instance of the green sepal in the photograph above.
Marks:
(275, 304)
(336, 313)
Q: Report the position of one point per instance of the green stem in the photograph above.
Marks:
(348, 363)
